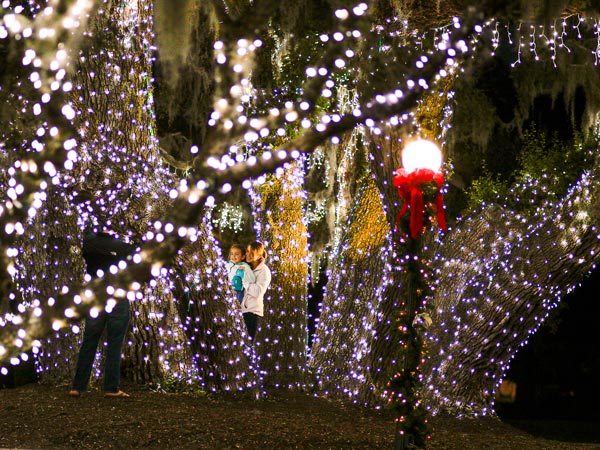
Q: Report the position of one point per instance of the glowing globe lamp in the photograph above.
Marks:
(421, 160)
(421, 154)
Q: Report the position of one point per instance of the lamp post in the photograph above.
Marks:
(419, 184)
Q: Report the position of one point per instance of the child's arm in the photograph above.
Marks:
(230, 273)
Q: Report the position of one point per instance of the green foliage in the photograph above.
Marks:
(547, 167)
(293, 64)
(550, 159)
(411, 420)
(177, 385)
(361, 160)
(403, 389)
(485, 189)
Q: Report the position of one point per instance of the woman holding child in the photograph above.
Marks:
(254, 290)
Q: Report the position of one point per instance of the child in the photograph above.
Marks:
(238, 269)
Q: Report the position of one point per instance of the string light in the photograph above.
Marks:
(342, 358)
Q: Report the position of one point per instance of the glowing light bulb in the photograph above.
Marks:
(421, 154)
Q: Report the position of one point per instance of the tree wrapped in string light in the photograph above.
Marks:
(419, 184)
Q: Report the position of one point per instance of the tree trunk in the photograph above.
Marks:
(109, 184)
(51, 259)
(342, 345)
(496, 286)
(282, 337)
(211, 319)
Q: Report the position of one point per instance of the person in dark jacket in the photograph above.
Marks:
(100, 251)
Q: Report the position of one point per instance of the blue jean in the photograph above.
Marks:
(240, 295)
(116, 324)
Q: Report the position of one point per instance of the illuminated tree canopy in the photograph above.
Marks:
(183, 126)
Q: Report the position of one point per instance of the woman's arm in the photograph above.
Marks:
(248, 273)
(262, 282)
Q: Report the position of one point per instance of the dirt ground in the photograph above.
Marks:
(41, 417)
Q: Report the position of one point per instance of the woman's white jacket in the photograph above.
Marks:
(254, 293)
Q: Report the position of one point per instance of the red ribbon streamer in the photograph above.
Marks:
(409, 187)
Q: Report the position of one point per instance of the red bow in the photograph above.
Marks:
(409, 188)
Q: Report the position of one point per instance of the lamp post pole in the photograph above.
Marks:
(419, 183)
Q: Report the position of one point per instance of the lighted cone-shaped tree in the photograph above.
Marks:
(418, 183)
